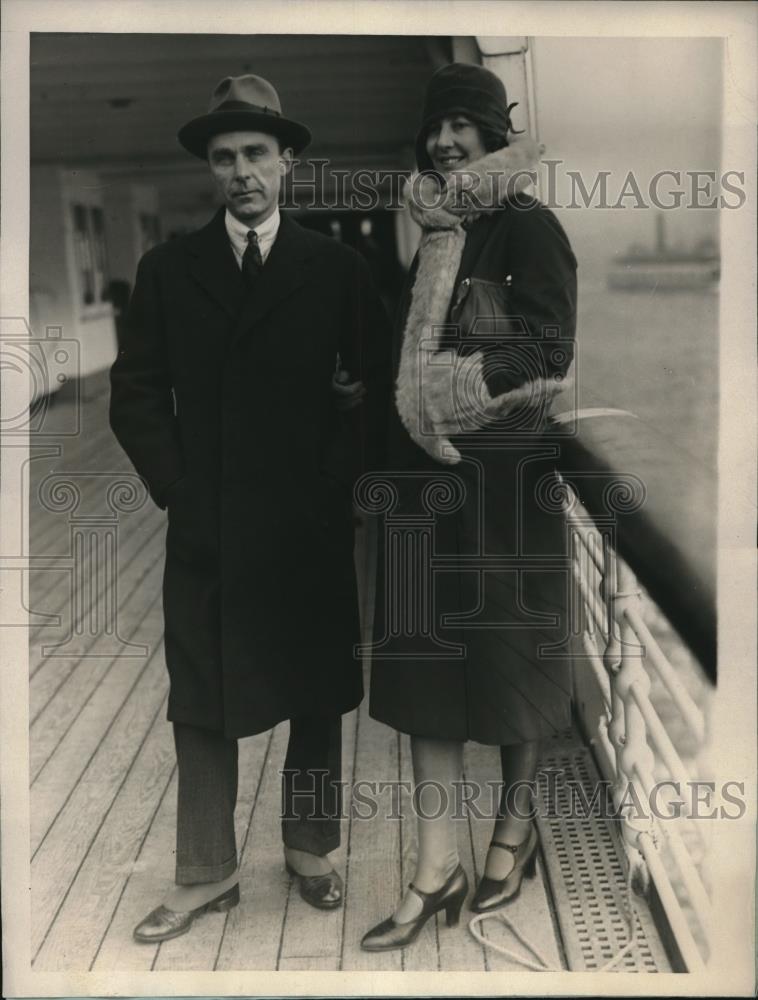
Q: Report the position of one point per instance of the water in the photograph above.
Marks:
(655, 354)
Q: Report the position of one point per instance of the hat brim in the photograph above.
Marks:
(194, 136)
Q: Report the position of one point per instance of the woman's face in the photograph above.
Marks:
(453, 143)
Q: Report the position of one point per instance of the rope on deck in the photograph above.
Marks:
(544, 965)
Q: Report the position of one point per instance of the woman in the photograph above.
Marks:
(485, 339)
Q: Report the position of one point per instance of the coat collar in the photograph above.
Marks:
(478, 236)
(283, 272)
(212, 264)
(214, 268)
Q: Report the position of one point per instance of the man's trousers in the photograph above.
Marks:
(206, 849)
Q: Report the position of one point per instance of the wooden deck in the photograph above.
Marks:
(103, 788)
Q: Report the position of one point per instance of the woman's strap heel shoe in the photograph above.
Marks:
(453, 912)
(450, 897)
(163, 924)
(493, 893)
(530, 868)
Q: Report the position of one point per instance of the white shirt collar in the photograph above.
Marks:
(266, 230)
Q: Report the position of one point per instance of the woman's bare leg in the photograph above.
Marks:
(519, 764)
(437, 766)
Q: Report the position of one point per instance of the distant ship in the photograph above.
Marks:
(666, 269)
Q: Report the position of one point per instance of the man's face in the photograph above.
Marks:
(248, 168)
(453, 143)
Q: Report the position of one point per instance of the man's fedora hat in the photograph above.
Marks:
(243, 104)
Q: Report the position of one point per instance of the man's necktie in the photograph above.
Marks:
(252, 261)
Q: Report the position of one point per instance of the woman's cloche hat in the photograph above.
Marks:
(464, 88)
(243, 104)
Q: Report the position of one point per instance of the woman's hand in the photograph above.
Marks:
(456, 399)
(347, 394)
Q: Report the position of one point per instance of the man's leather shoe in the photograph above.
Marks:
(163, 924)
(322, 891)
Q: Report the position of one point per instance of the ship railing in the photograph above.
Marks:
(631, 744)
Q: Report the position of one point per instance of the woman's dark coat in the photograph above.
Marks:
(500, 573)
(221, 397)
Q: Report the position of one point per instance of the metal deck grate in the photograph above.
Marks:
(587, 873)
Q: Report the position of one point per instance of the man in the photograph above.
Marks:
(224, 398)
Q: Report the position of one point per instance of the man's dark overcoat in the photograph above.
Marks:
(221, 397)
(483, 656)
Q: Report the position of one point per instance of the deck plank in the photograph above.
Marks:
(67, 731)
(60, 854)
(142, 540)
(50, 586)
(51, 566)
(50, 672)
(53, 542)
(145, 884)
(95, 449)
(57, 781)
(96, 889)
(310, 963)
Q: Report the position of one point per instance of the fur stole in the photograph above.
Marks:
(437, 392)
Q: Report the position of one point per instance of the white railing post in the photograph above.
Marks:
(622, 652)
(627, 729)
